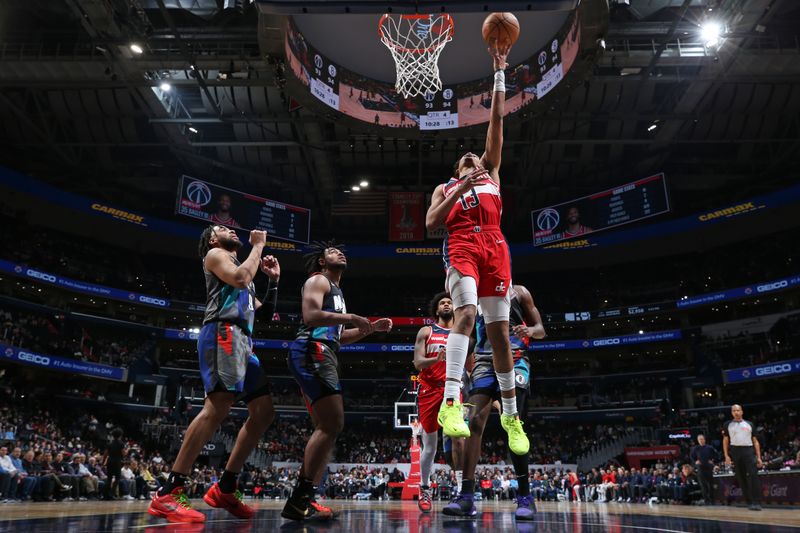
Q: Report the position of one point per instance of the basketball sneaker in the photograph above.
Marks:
(303, 507)
(526, 509)
(175, 507)
(463, 505)
(322, 512)
(517, 439)
(230, 502)
(424, 501)
(451, 418)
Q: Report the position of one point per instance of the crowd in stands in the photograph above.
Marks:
(54, 452)
(54, 334)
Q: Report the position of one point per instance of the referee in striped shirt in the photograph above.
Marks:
(742, 449)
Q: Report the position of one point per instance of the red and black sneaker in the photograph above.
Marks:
(322, 512)
(230, 502)
(175, 507)
(424, 500)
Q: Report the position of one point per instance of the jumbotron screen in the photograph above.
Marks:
(467, 104)
(235, 209)
(607, 209)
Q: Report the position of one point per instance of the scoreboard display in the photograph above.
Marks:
(235, 209)
(439, 110)
(621, 205)
(324, 81)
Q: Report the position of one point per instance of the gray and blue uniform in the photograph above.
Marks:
(224, 344)
(483, 378)
(313, 354)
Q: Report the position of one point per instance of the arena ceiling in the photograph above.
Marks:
(79, 109)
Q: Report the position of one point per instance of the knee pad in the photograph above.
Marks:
(495, 308)
(463, 289)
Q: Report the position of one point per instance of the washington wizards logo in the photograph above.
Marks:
(585, 344)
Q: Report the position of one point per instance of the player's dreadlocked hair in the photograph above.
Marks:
(434, 305)
(316, 251)
(204, 245)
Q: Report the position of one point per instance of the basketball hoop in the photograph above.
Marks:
(415, 42)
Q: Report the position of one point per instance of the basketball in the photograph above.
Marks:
(502, 28)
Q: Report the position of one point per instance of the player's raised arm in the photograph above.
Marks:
(441, 205)
(314, 291)
(494, 137)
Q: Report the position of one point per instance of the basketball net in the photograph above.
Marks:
(416, 430)
(415, 42)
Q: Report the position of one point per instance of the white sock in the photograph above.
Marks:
(459, 479)
(427, 456)
(506, 382)
(457, 347)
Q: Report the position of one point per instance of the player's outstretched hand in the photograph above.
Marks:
(499, 53)
(469, 182)
(363, 324)
(271, 267)
(521, 331)
(257, 237)
(382, 325)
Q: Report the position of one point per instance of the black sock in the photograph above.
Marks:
(175, 480)
(468, 486)
(520, 463)
(227, 482)
(304, 487)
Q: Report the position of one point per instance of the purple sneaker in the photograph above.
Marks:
(463, 505)
(526, 509)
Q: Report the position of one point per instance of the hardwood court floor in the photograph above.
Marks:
(394, 516)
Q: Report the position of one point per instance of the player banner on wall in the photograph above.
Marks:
(406, 216)
(235, 209)
(621, 205)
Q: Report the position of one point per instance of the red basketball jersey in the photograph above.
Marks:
(482, 206)
(434, 376)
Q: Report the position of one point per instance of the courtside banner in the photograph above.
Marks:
(90, 289)
(72, 366)
(659, 336)
(740, 292)
(778, 369)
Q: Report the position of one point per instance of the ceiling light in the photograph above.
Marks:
(710, 33)
(136, 49)
(651, 127)
(355, 188)
(364, 183)
(166, 87)
(192, 129)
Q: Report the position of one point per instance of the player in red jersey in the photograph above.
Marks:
(478, 267)
(429, 360)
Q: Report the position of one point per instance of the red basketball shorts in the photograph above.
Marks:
(428, 402)
(482, 255)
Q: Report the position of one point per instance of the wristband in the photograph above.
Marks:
(500, 81)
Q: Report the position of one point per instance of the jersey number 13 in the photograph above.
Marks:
(470, 200)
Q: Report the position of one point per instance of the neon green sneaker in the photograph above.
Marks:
(451, 418)
(517, 439)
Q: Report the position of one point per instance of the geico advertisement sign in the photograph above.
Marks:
(153, 301)
(773, 369)
(606, 342)
(33, 358)
(772, 286)
(41, 275)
